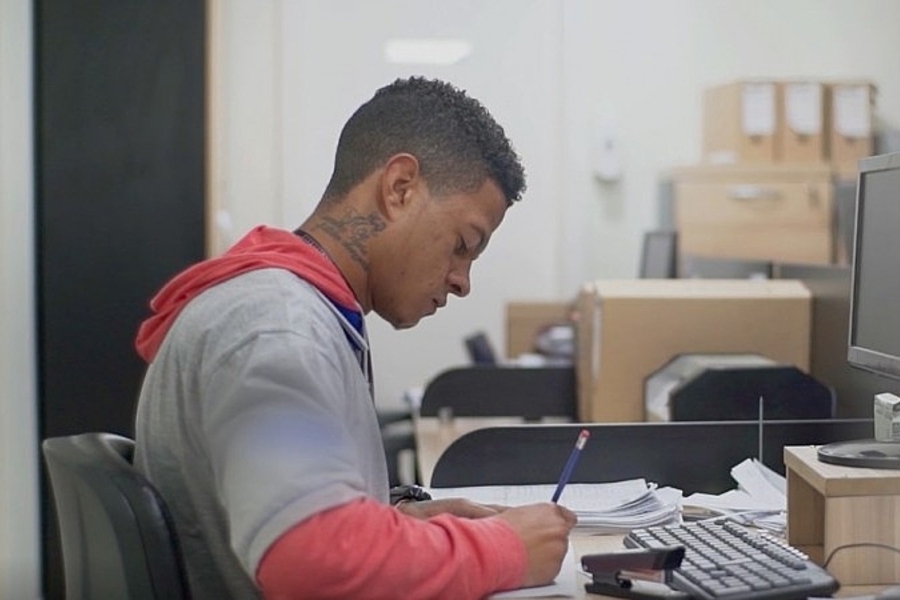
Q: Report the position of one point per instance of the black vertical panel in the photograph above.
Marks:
(119, 134)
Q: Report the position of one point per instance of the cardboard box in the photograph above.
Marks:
(757, 212)
(524, 320)
(801, 113)
(850, 114)
(740, 123)
(628, 329)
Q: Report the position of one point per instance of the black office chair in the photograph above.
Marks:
(118, 539)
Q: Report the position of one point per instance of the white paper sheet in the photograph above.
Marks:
(603, 507)
(565, 584)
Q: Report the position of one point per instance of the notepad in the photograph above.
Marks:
(615, 506)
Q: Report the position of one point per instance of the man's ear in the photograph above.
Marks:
(399, 180)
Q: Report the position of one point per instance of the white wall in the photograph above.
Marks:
(19, 529)
(645, 63)
(550, 71)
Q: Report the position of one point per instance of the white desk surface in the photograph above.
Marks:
(433, 437)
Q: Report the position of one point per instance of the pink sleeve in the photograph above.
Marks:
(365, 549)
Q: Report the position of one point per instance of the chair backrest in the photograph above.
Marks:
(691, 456)
(118, 539)
(502, 391)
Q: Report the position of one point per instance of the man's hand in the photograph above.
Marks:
(545, 530)
(455, 506)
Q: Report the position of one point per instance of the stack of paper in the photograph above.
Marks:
(759, 499)
(606, 507)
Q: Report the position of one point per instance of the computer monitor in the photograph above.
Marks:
(830, 289)
(874, 329)
(874, 333)
(658, 256)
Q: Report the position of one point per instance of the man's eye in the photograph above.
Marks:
(461, 247)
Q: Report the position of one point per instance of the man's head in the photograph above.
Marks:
(456, 141)
(423, 176)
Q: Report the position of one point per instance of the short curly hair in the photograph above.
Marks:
(457, 142)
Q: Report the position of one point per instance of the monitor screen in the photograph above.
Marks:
(658, 257)
(875, 288)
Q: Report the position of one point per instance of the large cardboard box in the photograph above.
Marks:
(801, 113)
(759, 212)
(740, 123)
(850, 114)
(628, 329)
(525, 320)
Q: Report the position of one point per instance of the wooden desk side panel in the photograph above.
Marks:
(858, 520)
(805, 514)
(830, 506)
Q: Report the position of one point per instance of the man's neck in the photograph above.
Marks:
(327, 235)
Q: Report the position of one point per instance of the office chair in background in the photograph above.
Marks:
(118, 539)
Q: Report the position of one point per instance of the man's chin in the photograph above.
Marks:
(406, 324)
(398, 322)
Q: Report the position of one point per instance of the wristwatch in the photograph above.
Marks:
(408, 493)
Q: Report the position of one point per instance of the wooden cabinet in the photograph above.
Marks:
(854, 508)
(763, 212)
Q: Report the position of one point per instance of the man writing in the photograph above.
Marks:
(256, 420)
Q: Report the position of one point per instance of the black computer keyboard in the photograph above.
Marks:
(726, 560)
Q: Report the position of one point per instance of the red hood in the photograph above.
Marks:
(263, 247)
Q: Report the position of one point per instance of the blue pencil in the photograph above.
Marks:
(570, 464)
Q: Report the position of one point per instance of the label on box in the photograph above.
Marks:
(758, 114)
(887, 417)
(852, 111)
(803, 103)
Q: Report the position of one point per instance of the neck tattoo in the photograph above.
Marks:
(310, 240)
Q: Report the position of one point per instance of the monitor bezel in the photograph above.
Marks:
(858, 355)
